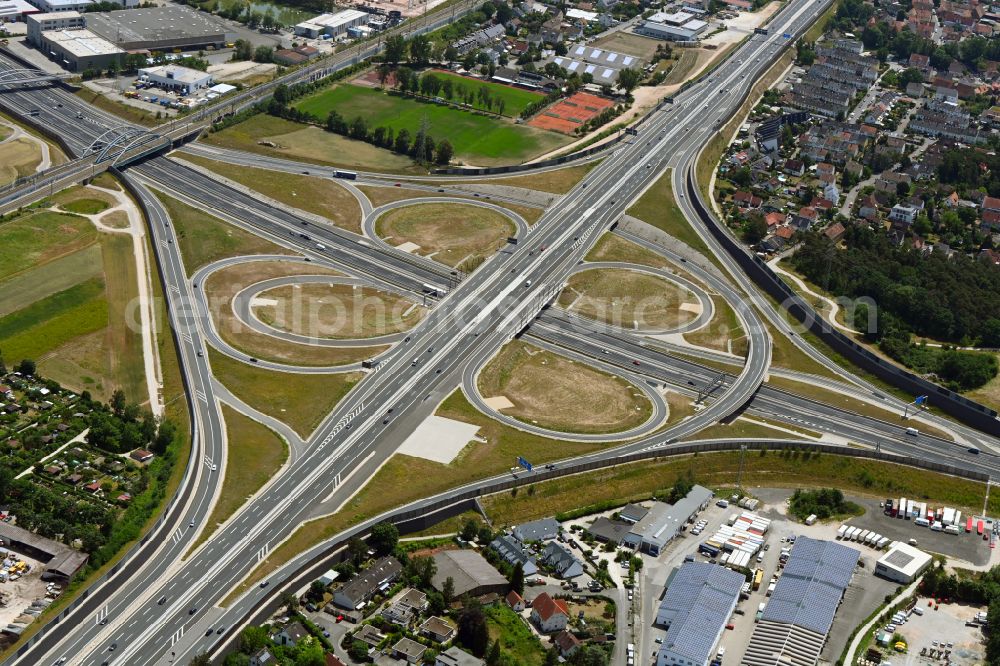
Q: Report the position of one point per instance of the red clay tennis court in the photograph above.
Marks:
(566, 115)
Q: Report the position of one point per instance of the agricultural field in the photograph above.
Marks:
(477, 139)
(65, 289)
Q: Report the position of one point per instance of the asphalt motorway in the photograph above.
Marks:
(477, 317)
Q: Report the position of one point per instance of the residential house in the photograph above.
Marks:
(549, 614)
(291, 634)
(332, 660)
(774, 219)
(991, 204)
(515, 601)
(746, 200)
(537, 530)
(903, 213)
(889, 181)
(562, 560)
(369, 635)
(366, 584)
(406, 608)
(454, 656)
(869, 208)
(437, 629)
(408, 650)
(794, 167)
(263, 657)
(567, 643)
(512, 551)
(834, 232)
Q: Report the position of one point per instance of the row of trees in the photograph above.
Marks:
(421, 147)
(432, 85)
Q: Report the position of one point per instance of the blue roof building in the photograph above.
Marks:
(798, 616)
(699, 601)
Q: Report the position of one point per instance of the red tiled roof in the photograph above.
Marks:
(546, 606)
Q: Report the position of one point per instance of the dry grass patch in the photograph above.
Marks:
(615, 248)
(556, 181)
(301, 401)
(116, 220)
(530, 215)
(722, 332)
(988, 394)
(452, 234)
(269, 135)
(555, 392)
(337, 310)
(254, 453)
(18, 158)
(624, 298)
(322, 196)
(223, 285)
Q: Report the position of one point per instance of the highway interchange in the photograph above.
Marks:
(473, 316)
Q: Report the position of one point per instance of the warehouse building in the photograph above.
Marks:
(470, 573)
(16, 10)
(794, 626)
(698, 602)
(672, 33)
(663, 522)
(179, 79)
(39, 23)
(160, 29)
(55, 6)
(903, 563)
(336, 25)
(79, 50)
(61, 561)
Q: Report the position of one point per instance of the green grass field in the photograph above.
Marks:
(301, 401)
(32, 338)
(35, 284)
(40, 237)
(204, 238)
(477, 139)
(515, 99)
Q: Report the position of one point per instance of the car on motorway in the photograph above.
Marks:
(264, 584)
(193, 611)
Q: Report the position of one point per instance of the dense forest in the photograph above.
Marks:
(954, 300)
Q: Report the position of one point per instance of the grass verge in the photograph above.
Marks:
(321, 196)
(301, 401)
(204, 238)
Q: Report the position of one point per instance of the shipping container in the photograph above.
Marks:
(758, 578)
(979, 527)
(842, 531)
(902, 508)
(968, 524)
